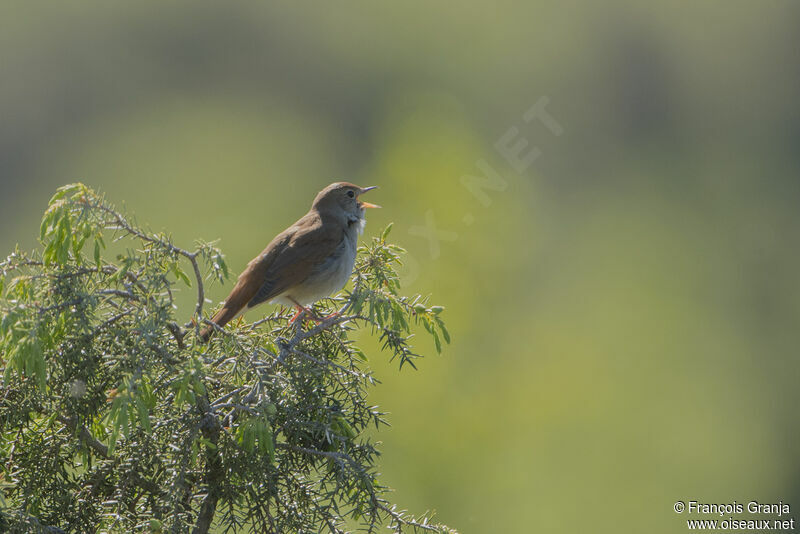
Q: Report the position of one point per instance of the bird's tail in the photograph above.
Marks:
(221, 318)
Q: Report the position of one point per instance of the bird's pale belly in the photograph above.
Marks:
(331, 276)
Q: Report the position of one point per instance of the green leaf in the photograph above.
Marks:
(437, 342)
(249, 438)
(207, 443)
(198, 386)
(45, 225)
(146, 394)
(143, 414)
(118, 417)
(181, 275)
(11, 364)
(124, 418)
(5, 323)
(343, 428)
(68, 189)
(445, 333)
(63, 240)
(426, 322)
(38, 366)
(77, 244)
(268, 444)
(122, 271)
(112, 440)
(97, 253)
(27, 359)
(387, 231)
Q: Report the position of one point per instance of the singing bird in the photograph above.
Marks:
(306, 262)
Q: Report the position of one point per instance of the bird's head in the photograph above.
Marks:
(342, 200)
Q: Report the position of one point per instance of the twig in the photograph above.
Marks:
(210, 427)
(102, 450)
(191, 256)
(341, 458)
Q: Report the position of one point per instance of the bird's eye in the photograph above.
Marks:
(351, 194)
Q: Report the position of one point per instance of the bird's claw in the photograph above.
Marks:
(306, 313)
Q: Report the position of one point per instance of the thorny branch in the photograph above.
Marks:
(120, 222)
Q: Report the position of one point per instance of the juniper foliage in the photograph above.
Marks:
(114, 417)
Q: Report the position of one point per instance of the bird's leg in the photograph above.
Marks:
(300, 311)
(303, 310)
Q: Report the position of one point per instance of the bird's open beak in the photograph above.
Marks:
(368, 204)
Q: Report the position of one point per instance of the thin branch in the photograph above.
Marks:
(342, 458)
(214, 472)
(86, 436)
(201, 296)
(102, 450)
(399, 519)
(191, 256)
(118, 293)
(324, 362)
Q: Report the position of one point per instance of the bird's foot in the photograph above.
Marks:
(306, 313)
(331, 316)
(296, 315)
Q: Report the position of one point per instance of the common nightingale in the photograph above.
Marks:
(306, 262)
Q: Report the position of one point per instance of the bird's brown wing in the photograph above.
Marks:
(286, 262)
(252, 278)
(247, 285)
(307, 248)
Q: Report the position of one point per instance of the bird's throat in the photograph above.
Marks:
(357, 223)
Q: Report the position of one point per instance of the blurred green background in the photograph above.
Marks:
(624, 313)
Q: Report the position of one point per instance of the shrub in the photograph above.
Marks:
(116, 418)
